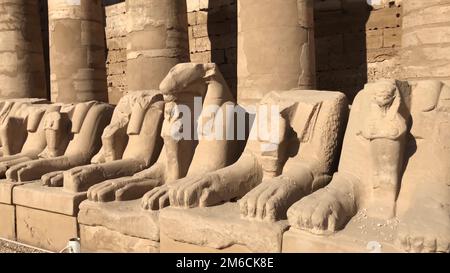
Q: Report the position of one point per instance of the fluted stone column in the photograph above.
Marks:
(157, 40)
(22, 67)
(275, 47)
(77, 50)
(426, 40)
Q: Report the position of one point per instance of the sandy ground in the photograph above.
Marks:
(8, 247)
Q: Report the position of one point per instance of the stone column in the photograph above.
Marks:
(157, 40)
(426, 40)
(22, 67)
(77, 50)
(275, 47)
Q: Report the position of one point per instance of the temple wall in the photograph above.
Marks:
(355, 42)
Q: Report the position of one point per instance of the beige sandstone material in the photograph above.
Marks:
(35, 201)
(407, 183)
(56, 125)
(275, 47)
(77, 51)
(35, 142)
(87, 123)
(22, 69)
(136, 124)
(156, 41)
(268, 178)
(425, 52)
(13, 132)
(179, 157)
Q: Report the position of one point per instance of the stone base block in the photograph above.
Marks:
(7, 222)
(53, 199)
(6, 191)
(360, 236)
(218, 228)
(44, 229)
(169, 245)
(7, 209)
(101, 239)
(118, 227)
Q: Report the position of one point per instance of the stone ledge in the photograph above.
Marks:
(220, 227)
(36, 196)
(125, 217)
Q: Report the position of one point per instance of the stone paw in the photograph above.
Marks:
(156, 199)
(319, 213)
(120, 189)
(425, 230)
(194, 192)
(53, 179)
(269, 202)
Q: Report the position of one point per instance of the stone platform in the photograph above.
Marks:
(361, 235)
(217, 229)
(118, 227)
(7, 210)
(46, 216)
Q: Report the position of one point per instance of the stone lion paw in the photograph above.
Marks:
(319, 213)
(425, 230)
(21, 172)
(194, 192)
(53, 179)
(267, 202)
(156, 199)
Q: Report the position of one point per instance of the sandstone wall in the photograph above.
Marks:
(116, 60)
(355, 42)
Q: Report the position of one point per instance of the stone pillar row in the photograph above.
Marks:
(276, 47)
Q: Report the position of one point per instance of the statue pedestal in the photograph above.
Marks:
(7, 210)
(45, 216)
(118, 227)
(217, 229)
(361, 235)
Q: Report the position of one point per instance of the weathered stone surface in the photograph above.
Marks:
(8, 222)
(169, 245)
(101, 239)
(77, 51)
(34, 195)
(425, 40)
(396, 183)
(157, 39)
(43, 229)
(265, 63)
(219, 227)
(125, 217)
(22, 68)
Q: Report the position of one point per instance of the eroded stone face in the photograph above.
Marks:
(22, 69)
(77, 51)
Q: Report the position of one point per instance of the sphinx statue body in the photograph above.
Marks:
(44, 215)
(87, 122)
(192, 92)
(290, 153)
(394, 131)
(182, 154)
(13, 123)
(34, 122)
(130, 143)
